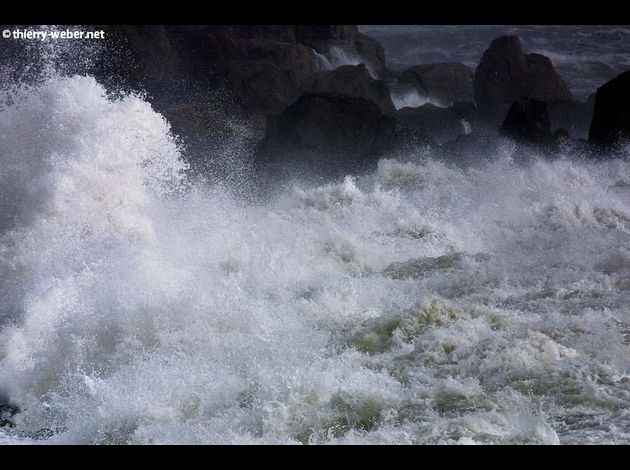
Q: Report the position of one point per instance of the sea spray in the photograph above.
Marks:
(139, 307)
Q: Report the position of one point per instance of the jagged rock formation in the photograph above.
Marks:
(506, 74)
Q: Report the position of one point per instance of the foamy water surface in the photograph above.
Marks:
(420, 304)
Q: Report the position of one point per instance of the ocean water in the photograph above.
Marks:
(419, 304)
(586, 56)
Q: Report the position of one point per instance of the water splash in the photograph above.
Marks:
(138, 307)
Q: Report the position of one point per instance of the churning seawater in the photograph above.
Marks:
(423, 303)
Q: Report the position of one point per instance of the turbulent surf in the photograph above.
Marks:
(420, 303)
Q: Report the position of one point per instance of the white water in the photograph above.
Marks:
(139, 308)
(337, 57)
(405, 95)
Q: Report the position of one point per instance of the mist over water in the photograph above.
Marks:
(422, 303)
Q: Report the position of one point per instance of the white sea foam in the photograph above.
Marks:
(420, 304)
(405, 95)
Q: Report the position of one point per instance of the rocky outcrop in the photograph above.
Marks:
(611, 115)
(267, 67)
(327, 134)
(344, 45)
(573, 116)
(264, 65)
(354, 80)
(260, 69)
(318, 87)
(446, 83)
(527, 122)
(439, 124)
(506, 74)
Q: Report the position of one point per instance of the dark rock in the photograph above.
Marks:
(574, 116)
(354, 80)
(465, 110)
(274, 63)
(505, 74)
(269, 66)
(446, 83)
(438, 124)
(346, 40)
(373, 54)
(327, 134)
(407, 142)
(611, 116)
(528, 122)
(470, 116)
(296, 60)
(262, 86)
(388, 74)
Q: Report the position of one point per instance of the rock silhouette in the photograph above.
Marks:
(611, 115)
